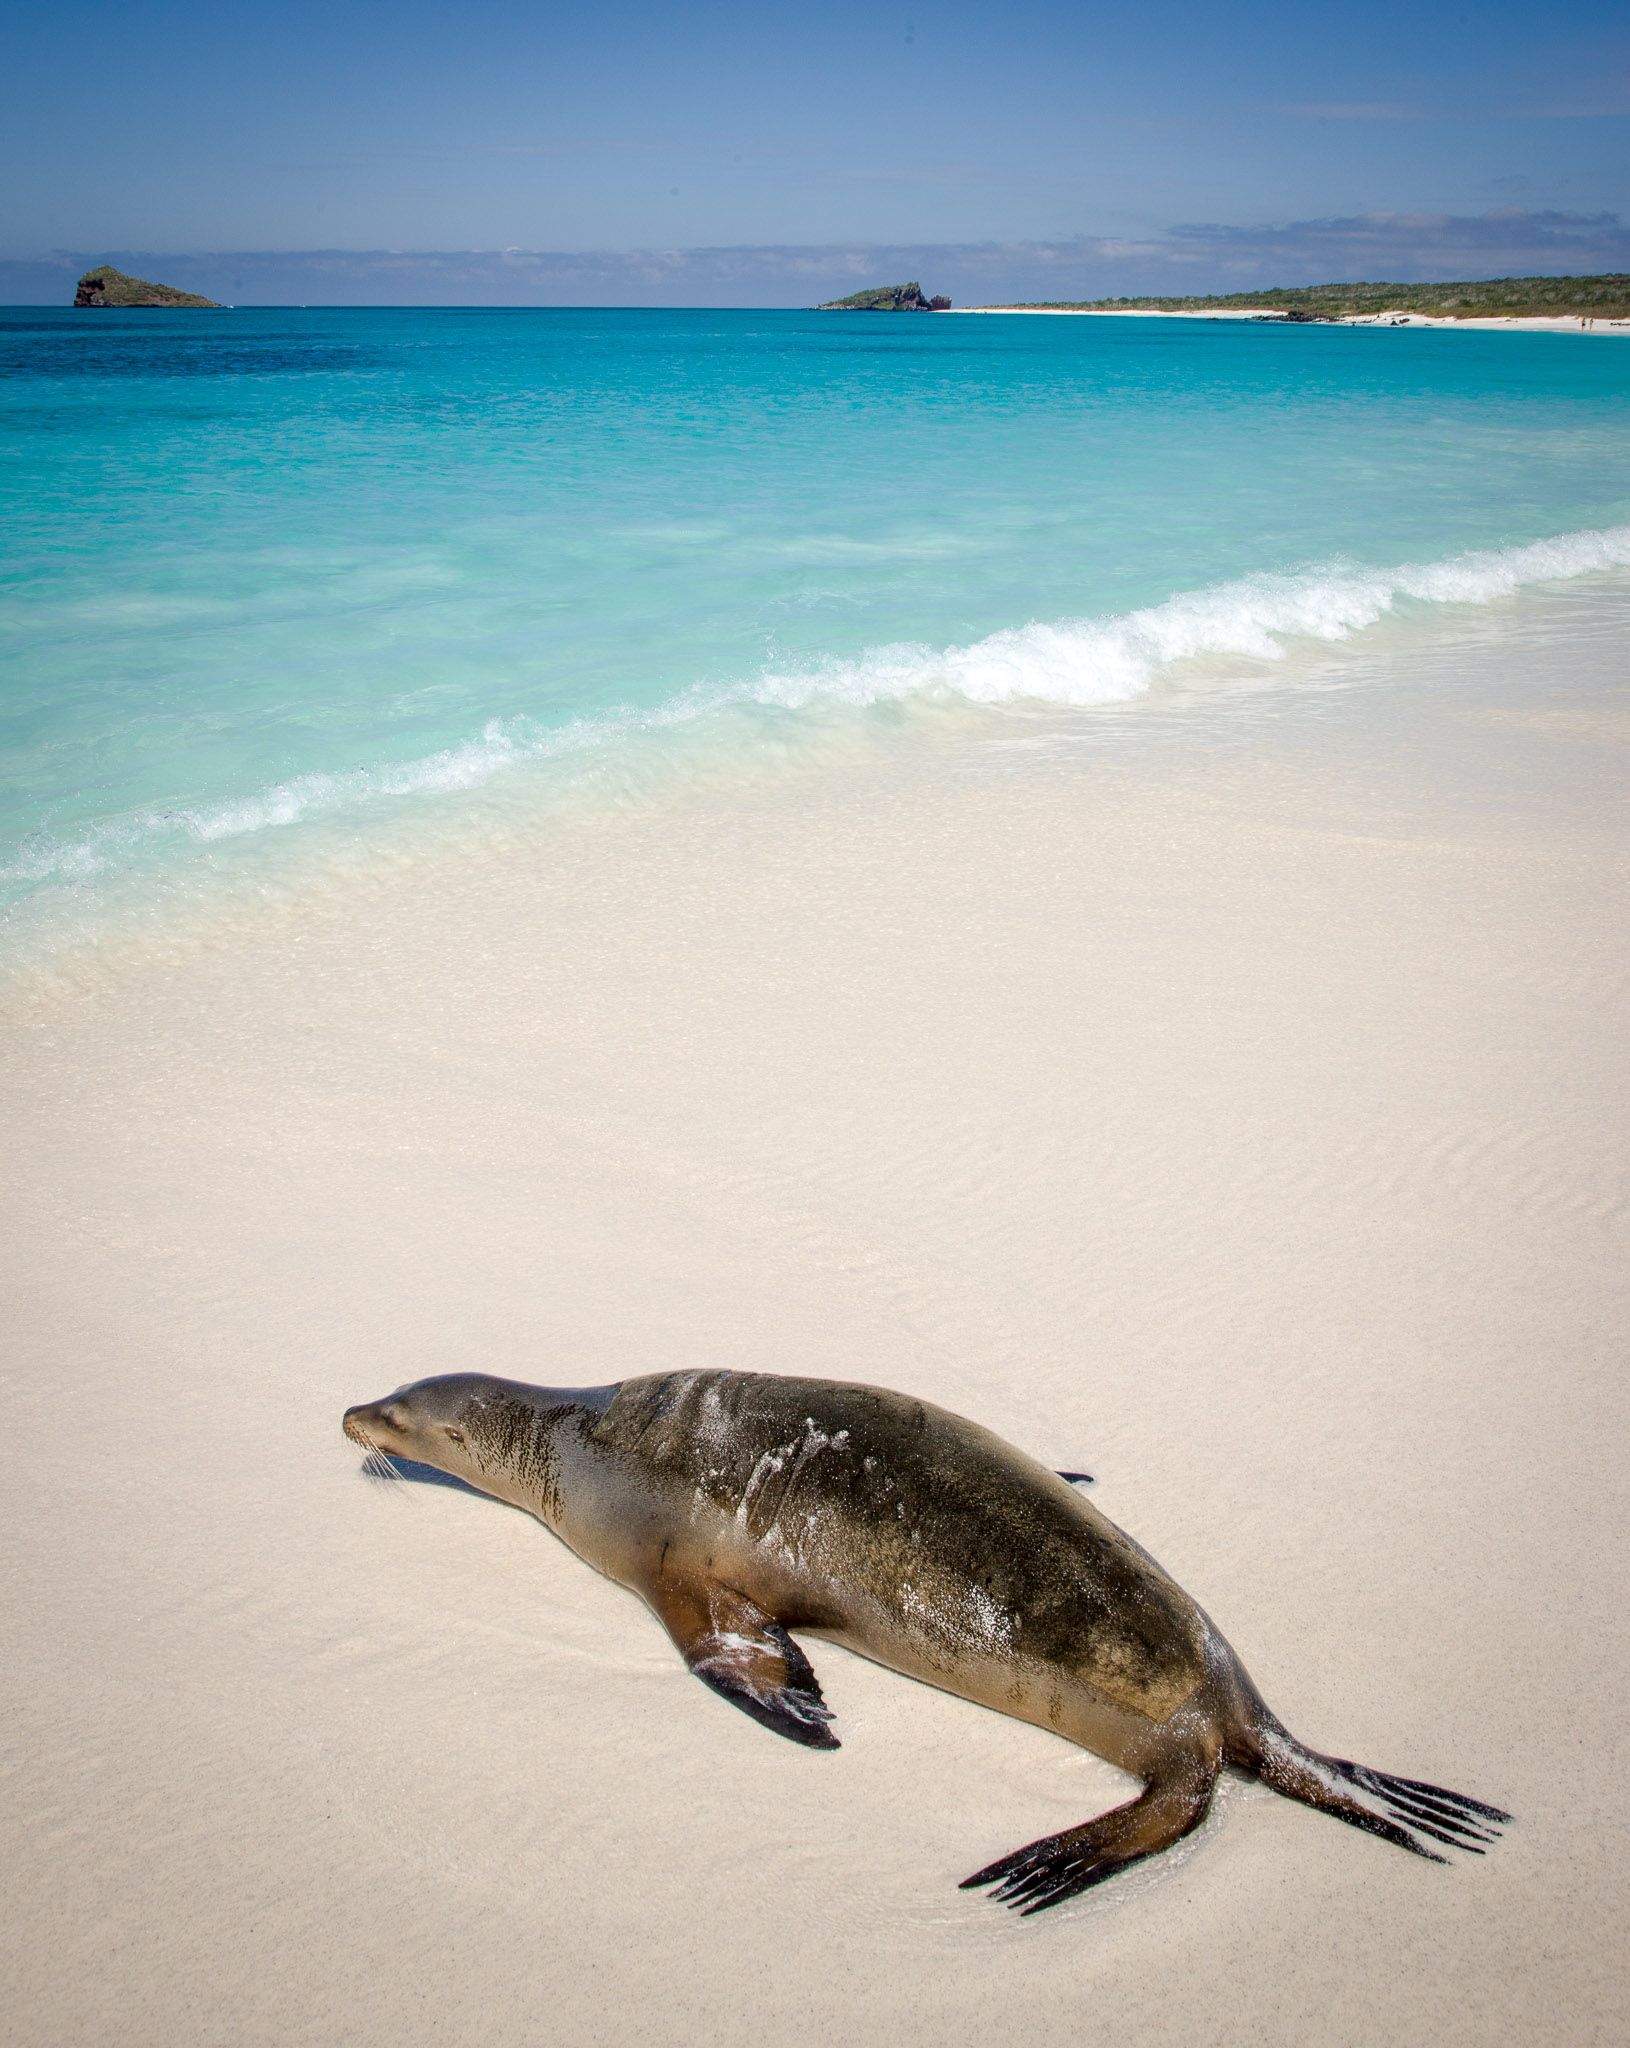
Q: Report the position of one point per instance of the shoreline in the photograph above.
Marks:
(1565, 324)
(108, 894)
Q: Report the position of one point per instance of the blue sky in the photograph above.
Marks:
(631, 126)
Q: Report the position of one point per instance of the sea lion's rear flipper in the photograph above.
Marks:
(746, 1657)
(1059, 1867)
(1396, 1809)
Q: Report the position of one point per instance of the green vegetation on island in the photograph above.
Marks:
(889, 298)
(1497, 298)
(105, 286)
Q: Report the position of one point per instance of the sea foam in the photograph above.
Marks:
(1102, 661)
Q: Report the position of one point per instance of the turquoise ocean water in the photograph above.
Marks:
(274, 573)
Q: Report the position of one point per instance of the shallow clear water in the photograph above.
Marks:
(271, 566)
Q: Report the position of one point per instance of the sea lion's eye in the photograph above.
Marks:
(456, 1435)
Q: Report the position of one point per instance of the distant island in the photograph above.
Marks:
(1508, 298)
(888, 298)
(105, 286)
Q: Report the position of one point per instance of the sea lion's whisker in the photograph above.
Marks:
(375, 1463)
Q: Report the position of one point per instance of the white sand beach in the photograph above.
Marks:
(1398, 316)
(1225, 1099)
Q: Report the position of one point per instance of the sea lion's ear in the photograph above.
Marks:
(746, 1657)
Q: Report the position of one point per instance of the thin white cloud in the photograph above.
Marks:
(1351, 110)
(1401, 110)
(1595, 111)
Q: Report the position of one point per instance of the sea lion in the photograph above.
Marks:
(742, 1506)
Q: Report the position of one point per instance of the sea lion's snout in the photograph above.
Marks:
(376, 1425)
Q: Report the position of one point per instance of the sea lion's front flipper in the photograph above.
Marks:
(745, 1656)
(1061, 1867)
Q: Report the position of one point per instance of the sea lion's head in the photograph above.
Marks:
(493, 1434)
(441, 1422)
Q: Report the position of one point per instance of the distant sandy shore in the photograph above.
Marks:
(1228, 1102)
(1398, 318)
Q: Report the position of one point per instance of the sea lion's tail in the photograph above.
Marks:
(1396, 1809)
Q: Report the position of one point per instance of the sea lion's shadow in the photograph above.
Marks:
(430, 1475)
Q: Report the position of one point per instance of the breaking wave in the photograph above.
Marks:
(1074, 662)
(1101, 661)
